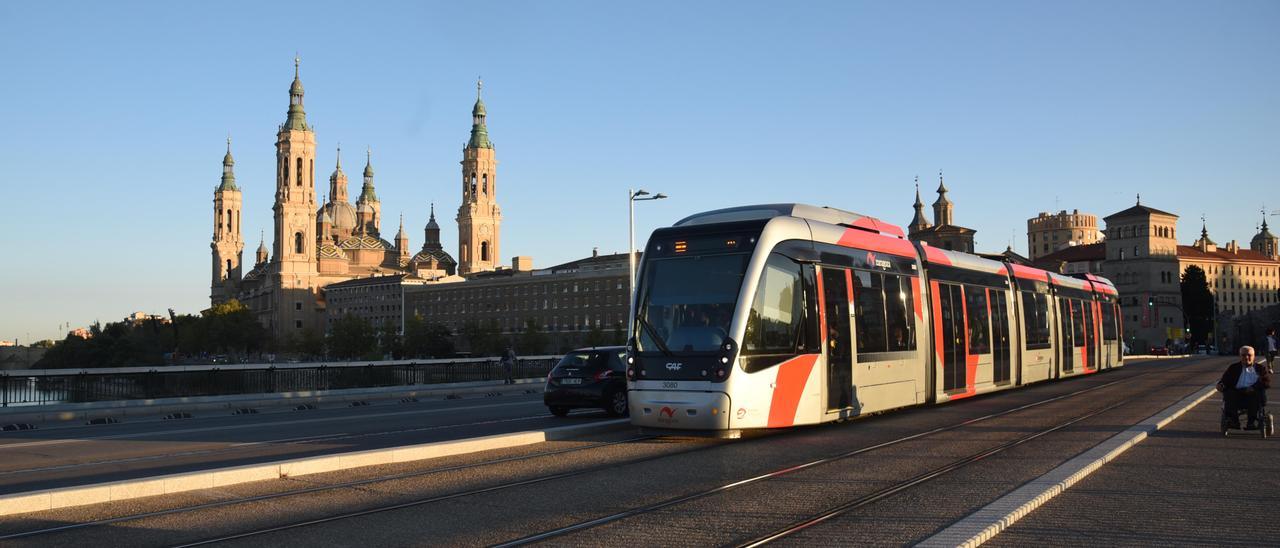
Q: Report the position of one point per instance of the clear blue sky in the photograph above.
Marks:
(113, 118)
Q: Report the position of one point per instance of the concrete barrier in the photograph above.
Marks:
(63, 497)
(80, 412)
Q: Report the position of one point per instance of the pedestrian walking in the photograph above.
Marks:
(508, 364)
(1272, 346)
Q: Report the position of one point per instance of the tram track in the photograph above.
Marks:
(335, 486)
(860, 501)
(549, 477)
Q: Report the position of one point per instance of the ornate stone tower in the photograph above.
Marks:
(1265, 242)
(479, 216)
(918, 222)
(942, 207)
(368, 208)
(294, 257)
(227, 241)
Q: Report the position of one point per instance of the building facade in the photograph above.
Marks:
(317, 245)
(565, 301)
(942, 232)
(1077, 259)
(378, 300)
(1050, 233)
(1142, 261)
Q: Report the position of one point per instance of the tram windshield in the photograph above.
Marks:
(686, 303)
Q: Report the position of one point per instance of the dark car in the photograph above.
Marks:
(589, 377)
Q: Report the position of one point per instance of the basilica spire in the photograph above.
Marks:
(228, 170)
(918, 222)
(942, 207)
(368, 208)
(338, 182)
(297, 119)
(479, 132)
(366, 192)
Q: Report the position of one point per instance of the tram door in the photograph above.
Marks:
(951, 299)
(1090, 335)
(1000, 336)
(1066, 343)
(835, 303)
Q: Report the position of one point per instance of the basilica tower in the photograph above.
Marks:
(479, 216)
(227, 242)
(294, 257)
(368, 208)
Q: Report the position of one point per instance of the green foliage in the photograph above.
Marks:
(426, 340)
(390, 343)
(351, 337)
(483, 338)
(596, 337)
(47, 343)
(309, 344)
(1197, 303)
(532, 340)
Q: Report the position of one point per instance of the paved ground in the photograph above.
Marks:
(61, 455)
(1186, 485)
(530, 489)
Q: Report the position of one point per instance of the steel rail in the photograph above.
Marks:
(796, 468)
(309, 490)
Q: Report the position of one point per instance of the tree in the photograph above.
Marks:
(426, 340)
(389, 341)
(596, 337)
(351, 337)
(1197, 303)
(230, 327)
(532, 340)
(310, 343)
(483, 338)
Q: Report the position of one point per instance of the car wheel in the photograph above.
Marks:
(618, 404)
(559, 411)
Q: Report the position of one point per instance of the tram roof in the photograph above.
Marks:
(822, 214)
(939, 256)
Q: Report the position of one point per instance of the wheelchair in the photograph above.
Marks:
(1266, 424)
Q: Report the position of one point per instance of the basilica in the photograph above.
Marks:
(314, 246)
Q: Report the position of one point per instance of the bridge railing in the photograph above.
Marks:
(45, 386)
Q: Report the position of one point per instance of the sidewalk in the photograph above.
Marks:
(1184, 485)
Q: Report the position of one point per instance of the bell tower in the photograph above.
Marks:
(479, 217)
(294, 254)
(227, 242)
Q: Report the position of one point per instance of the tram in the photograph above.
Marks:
(777, 315)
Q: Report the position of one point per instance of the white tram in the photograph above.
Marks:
(777, 315)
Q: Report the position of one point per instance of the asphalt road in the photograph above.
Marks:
(499, 496)
(62, 455)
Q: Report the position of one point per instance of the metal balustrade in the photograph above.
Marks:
(46, 386)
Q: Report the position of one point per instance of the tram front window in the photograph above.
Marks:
(686, 303)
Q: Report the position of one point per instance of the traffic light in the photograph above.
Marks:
(1151, 301)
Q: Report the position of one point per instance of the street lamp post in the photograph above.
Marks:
(634, 196)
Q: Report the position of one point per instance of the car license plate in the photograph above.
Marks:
(570, 381)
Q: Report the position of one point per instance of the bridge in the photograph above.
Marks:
(1102, 459)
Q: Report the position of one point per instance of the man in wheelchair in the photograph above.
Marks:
(1244, 386)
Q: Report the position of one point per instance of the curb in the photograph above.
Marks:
(131, 408)
(63, 497)
(986, 523)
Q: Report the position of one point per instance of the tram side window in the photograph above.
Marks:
(869, 299)
(975, 306)
(776, 318)
(1108, 322)
(899, 313)
(1035, 316)
(1077, 322)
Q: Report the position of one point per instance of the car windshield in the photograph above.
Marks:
(686, 303)
(583, 360)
